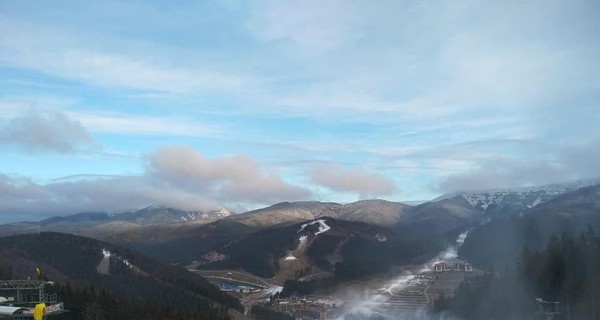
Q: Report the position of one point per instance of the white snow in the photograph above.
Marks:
(104, 265)
(399, 284)
(155, 207)
(461, 238)
(302, 240)
(274, 290)
(323, 227)
(535, 203)
(290, 257)
(450, 253)
(107, 254)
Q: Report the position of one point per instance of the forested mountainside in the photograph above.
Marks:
(422, 223)
(565, 271)
(550, 252)
(74, 262)
(497, 243)
(327, 252)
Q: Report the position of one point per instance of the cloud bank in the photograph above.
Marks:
(560, 164)
(178, 177)
(232, 178)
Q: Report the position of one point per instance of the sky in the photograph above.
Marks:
(114, 105)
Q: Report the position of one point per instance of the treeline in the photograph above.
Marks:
(565, 271)
(88, 304)
(66, 258)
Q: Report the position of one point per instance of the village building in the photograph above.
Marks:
(451, 265)
(214, 256)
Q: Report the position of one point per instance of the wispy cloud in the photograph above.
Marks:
(109, 122)
(559, 164)
(313, 27)
(68, 55)
(119, 123)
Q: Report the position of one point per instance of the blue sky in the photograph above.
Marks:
(110, 105)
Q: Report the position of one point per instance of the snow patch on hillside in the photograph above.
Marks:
(290, 257)
(461, 238)
(104, 265)
(302, 240)
(323, 227)
(205, 215)
(535, 203)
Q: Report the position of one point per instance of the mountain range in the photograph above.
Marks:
(377, 212)
(177, 236)
(303, 246)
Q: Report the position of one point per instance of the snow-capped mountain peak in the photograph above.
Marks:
(526, 197)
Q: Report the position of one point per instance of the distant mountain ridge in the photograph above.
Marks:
(102, 224)
(156, 214)
(157, 224)
(508, 200)
(375, 211)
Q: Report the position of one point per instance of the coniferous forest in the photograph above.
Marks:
(141, 289)
(565, 271)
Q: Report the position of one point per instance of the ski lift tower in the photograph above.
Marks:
(547, 309)
(24, 299)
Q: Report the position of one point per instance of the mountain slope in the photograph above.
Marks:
(439, 217)
(285, 213)
(503, 238)
(83, 262)
(280, 249)
(376, 212)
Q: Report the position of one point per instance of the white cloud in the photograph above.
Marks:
(355, 180)
(225, 178)
(179, 177)
(28, 200)
(39, 130)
